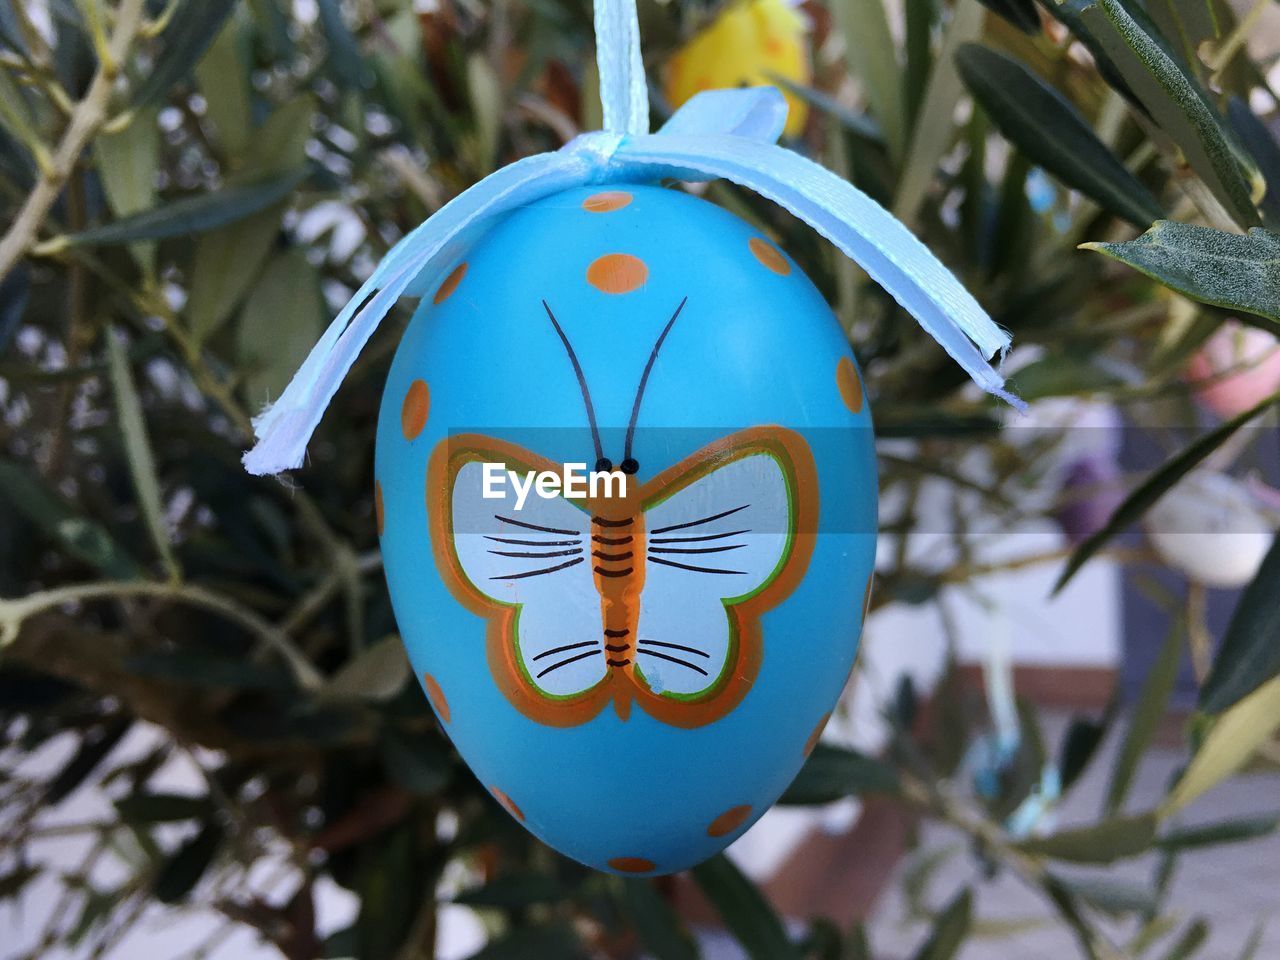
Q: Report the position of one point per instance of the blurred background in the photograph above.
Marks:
(1060, 736)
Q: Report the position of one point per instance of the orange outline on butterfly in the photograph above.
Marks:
(620, 686)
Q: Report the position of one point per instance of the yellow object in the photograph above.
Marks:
(744, 46)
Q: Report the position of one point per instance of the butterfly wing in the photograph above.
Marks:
(728, 535)
(525, 570)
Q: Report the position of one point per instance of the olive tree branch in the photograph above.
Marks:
(14, 612)
(87, 118)
(936, 800)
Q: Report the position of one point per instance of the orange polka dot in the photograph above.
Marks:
(413, 414)
(770, 256)
(377, 505)
(617, 273)
(849, 384)
(436, 696)
(606, 202)
(632, 865)
(729, 821)
(507, 802)
(817, 733)
(450, 284)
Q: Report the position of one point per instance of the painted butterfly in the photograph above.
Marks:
(652, 597)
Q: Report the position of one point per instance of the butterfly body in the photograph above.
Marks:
(627, 666)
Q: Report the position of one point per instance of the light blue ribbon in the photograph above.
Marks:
(727, 134)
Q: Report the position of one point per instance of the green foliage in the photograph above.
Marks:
(1051, 132)
(1222, 269)
(1250, 655)
(1145, 718)
(1155, 486)
(189, 215)
(744, 910)
(950, 929)
(188, 190)
(1102, 842)
(831, 773)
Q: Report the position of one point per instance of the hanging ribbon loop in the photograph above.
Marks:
(624, 92)
(729, 134)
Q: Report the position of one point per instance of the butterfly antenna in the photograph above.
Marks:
(582, 381)
(644, 380)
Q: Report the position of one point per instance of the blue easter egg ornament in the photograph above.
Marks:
(627, 503)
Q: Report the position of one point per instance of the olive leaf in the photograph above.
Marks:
(128, 160)
(80, 536)
(514, 891)
(1147, 713)
(192, 27)
(1175, 101)
(223, 76)
(227, 262)
(1261, 144)
(1222, 269)
(1250, 651)
(873, 59)
(660, 928)
(1114, 897)
(194, 214)
(1190, 942)
(344, 62)
(282, 318)
(1023, 14)
(137, 447)
(1231, 741)
(1215, 834)
(831, 773)
(180, 873)
(1157, 485)
(1102, 842)
(744, 910)
(1049, 130)
(859, 124)
(949, 930)
(378, 672)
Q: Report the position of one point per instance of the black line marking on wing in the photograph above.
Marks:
(565, 662)
(698, 523)
(534, 526)
(711, 536)
(685, 566)
(532, 555)
(567, 646)
(674, 646)
(663, 656)
(535, 543)
(724, 549)
(538, 573)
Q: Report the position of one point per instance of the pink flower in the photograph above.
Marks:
(1238, 366)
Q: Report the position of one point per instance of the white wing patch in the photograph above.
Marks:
(719, 539)
(538, 558)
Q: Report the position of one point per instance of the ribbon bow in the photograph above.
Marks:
(729, 134)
